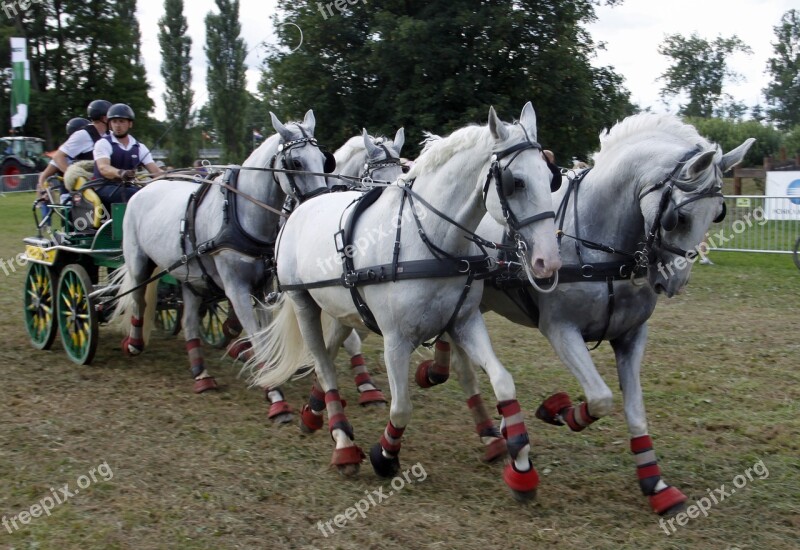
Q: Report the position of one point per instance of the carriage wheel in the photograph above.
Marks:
(39, 308)
(212, 317)
(77, 319)
(168, 319)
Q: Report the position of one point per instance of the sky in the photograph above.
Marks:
(631, 32)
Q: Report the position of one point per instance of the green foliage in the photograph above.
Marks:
(80, 50)
(226, 79)
(439, 65)
(791, 141)
(783, 93)
(699, 68)
(176, 70)
(729, 134)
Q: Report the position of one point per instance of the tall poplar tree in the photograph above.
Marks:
(783, 92)
(225, 80)
(176, 70)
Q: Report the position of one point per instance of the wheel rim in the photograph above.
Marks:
(12, 179)
(77, 320)
(211, 324)
(39, 311)
(168, 320)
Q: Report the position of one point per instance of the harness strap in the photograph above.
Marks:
(610, 311)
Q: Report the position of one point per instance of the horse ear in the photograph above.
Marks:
(700, 163)
(399, 140)
(372, 150)
(528, 120)
(734, 157)
(284, 132)
(496, 126)
(309, 121)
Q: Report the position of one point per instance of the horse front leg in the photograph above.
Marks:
(629, 350)
(203, 381)
(347, 456)
(520, 475)
(489, 434)
(384, 454)
(368, 392)
(558, 409)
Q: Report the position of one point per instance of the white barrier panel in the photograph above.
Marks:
(20, 182)
(746, 227)
(783, 196)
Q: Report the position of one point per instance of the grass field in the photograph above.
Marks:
(177, 470)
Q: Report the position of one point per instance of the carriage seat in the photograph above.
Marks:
(89, 203)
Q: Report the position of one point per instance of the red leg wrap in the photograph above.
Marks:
(523, 482)
(240, 350)
(578, 418)
(371, 396)
(132, 346)
(665, 500)
(310, 420)
(205, 384)
(278, 408)
(552, 407)
(495, 450)
(347, 455)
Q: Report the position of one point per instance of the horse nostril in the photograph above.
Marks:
(538, 265)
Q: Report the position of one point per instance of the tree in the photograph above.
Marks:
(783, 93)
(438, 65)
(177, 73)
(227, 95)
(699, 69)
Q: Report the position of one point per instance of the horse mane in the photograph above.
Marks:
(355, 146)
(477, 140)
(655, 130)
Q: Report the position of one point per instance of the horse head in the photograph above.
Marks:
(298, 151)
(519, 198)
(679, 210)
(383, 157)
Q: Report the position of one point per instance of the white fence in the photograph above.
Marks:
(752, 225)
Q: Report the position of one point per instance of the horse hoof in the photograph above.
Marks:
(668, 502)
(384, 467)
(310, 422)
(497, 449)
(551, 407)
(348, 470)
(205, 384)
(374, 398)
(522, 484)
(132, 346)
(282, 419)
(348, 460)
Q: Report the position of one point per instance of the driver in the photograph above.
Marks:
(118, 155)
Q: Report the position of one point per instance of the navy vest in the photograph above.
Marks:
(95, 135)
(121, 159)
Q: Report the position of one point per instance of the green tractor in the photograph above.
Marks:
(20, 155)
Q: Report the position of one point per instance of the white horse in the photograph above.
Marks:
(157, 232)
(499, 169)
(371, 159)
(642, 211)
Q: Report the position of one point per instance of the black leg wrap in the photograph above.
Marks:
(516, 443)
(491, 431)
(346, 427)
(648, 485)
(197, 370)
(316, 403)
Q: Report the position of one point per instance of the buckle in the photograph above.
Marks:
(587, 271)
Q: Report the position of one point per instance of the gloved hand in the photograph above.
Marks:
(127, 175)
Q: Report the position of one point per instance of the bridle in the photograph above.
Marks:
(371, 166)
(287, 163)
(668, 213)
(505, 185)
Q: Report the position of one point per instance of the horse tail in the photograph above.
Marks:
(279, 348)
(121, 317)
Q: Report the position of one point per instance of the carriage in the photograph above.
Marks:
(67, 282)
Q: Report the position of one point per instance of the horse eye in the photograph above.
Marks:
(519, 184)
(296, 165)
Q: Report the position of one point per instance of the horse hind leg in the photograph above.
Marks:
(135, 304)
(203, 381)
(437, 370)
(558, 409)
(629, 350)
(368, 392)
(489, 434)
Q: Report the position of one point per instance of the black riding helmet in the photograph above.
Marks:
(97, 109)
(120, 110)
(75, 124)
